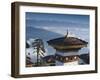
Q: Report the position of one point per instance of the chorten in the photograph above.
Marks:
(67, 49)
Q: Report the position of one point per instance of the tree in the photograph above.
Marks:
(39, 46)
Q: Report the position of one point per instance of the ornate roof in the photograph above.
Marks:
(67, 43)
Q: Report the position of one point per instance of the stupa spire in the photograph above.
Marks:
(66, 34)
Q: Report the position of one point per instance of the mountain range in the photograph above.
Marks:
(32, 32)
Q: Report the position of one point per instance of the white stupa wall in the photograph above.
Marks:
(70, 53)
(58, 63)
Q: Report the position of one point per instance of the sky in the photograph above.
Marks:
(57, 17)
(58, 23)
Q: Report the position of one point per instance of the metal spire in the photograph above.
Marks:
(66, 34)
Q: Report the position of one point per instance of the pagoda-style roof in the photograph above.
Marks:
(67, 43)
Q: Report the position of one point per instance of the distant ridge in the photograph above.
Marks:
(32, 32)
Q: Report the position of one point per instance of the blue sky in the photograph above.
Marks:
(65, 18)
